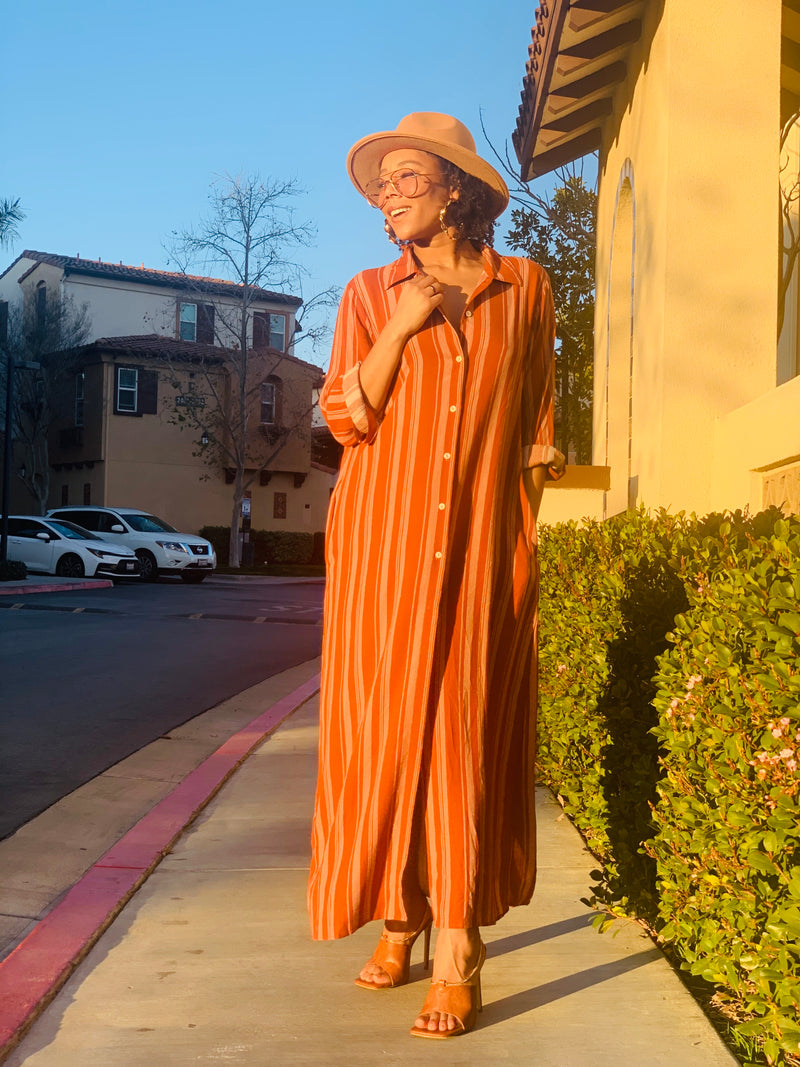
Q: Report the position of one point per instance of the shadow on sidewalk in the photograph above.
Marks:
(515, 942)
(508, 1007)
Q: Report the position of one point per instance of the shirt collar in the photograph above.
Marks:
(495, 266)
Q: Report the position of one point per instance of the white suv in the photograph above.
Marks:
(158, 546)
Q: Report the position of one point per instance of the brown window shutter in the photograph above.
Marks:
(148, 392)
(260, 330)
(205, 324)
(3, 321)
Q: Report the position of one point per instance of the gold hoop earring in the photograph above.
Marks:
(390, 232)
(451, 231)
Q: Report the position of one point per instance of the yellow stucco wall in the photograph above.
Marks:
(688, 174)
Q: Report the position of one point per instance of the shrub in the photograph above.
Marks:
(669, 726)
(12, 570)
(219, 536)
(727, 821)
(269, 546)
(608, 598)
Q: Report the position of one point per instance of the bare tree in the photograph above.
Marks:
(248, 238)
(789, 220)
(46, 333)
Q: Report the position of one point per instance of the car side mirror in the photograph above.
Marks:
(42, 536)
(116, 528)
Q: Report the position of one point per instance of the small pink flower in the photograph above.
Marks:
(674, 703)
(791, 764)
(761, 774)
(692, 681)
(690, 717)
(560, 669)
(784, 722)
(786, 753)
(776, 731)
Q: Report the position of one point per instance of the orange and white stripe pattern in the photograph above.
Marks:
(428, 699)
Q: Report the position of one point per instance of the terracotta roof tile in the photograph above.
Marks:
(99, 269)
(156, 346)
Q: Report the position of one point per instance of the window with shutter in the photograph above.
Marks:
(196, 322)
(269, 330)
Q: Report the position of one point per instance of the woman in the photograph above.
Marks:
(441, 389)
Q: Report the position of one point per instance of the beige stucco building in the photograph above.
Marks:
(696, 403)
(136, 412)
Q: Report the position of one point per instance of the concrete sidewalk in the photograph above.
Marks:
(211, 960)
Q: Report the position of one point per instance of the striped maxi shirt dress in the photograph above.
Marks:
(428, 695)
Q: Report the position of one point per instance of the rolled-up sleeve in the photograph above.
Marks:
(344, 407)
(538, 389)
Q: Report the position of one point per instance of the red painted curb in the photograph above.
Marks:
(37, 968)
(54, 587)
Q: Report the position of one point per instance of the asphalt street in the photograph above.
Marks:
(90, 677)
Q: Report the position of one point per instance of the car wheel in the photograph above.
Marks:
(70, 566)
(193, 577)
(148, 565)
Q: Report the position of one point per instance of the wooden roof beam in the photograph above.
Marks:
(584, 116)
(790, 53)
(566, 95)
(562, 154)
(586, 13)
(593, 48)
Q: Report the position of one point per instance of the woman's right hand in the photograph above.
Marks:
(418, 297)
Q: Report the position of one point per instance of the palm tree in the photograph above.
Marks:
(10, 214)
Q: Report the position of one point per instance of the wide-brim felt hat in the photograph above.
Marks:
(429, 131)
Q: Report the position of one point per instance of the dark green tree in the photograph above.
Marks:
(45, 336)
(10, 214)
(558, 231)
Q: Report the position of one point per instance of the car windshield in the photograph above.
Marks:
(70, 529)
(147, 523)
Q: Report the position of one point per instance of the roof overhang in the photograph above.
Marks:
(578, 56)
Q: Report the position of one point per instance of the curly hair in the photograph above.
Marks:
(472, 215)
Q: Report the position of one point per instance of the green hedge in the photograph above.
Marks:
(270, 546)
(12, 570)
(670, 728)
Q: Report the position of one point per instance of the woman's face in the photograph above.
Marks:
(416, 217)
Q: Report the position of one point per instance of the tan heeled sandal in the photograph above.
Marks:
(393, 955)
(460, 999)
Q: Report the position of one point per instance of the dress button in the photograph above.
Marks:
(452, 407)
(447, 455)
(468, 314)
(459, 359)
(438, 555)
(441, 507)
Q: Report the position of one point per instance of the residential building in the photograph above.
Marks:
(136, 410)
(693, 110)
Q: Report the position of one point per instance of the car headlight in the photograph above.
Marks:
(173, 546)
(100, 553)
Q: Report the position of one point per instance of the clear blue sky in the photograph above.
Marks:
(118, 114)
